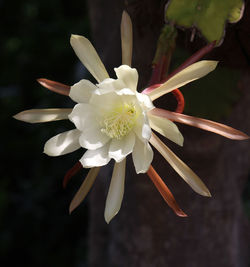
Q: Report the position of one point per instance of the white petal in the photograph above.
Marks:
(84, 116)
(105, 102)
(128, 75)
(126, 39)
(93, 138)
(116, 191)
(145, 101)
(95, 158)
(180, 167)
(84, 189)
(189, 74)
(142, 128)
(146, 132)
(43, 115)
(82, 91)
(89, 57)
(167, 128)
(110, 85)
(62, 143)
(119, 149)
(126, 92)
(142, 156)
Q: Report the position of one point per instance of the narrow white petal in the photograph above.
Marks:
(82, 91)
(126, 39)
(120, 148)
(95, 158)
(180, 167)
(84, 188)
(189, 74)
(43, 115)
(128, 75)
(62, 143)
(84, 116)
(116, 191)
(167, 128)
(142, 156)
(93, 138)
(89, 57)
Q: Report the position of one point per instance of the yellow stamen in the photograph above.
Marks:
(119, 122)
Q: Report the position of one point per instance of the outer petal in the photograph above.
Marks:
(71, 172)
(165, 192)
(43, 115)
(119, 149)
(142, 156)
(84, 189)
(203, 124)
(84, 116)
(189, 74)
(56, 87)
(82, 91)
(128, 75)
(126, 38)
(95, 158)
(93, 138)
(62, 143)
(180, 167)
(116, 191)
(89, 57)
(167, 128)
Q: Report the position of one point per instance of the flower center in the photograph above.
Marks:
(119, 121)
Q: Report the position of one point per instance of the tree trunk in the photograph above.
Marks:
(146, 232)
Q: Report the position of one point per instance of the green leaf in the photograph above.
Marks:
(208, 16)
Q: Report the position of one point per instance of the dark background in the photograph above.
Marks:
(36, 228)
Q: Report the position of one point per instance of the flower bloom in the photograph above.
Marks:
(112, 120)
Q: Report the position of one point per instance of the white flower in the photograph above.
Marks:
(113, 120)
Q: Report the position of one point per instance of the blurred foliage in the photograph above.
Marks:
(36, 229)
(208, 16)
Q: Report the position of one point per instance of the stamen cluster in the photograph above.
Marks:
(119, 122)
